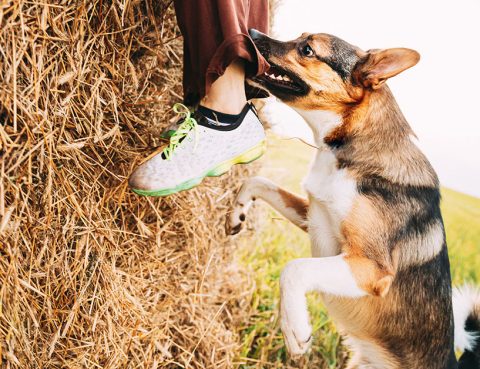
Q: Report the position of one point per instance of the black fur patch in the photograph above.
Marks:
(414, 208)
(471, 359)
(423, 332)
(472, 324)
(342, 59)
(336, 143)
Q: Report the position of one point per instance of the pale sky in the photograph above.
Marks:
(440, 96)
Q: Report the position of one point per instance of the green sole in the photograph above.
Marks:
(245, 158)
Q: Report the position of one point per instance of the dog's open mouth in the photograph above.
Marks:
(277, 79)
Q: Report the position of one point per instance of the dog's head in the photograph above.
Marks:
(323, 72)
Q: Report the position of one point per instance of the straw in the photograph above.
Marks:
(92, 275)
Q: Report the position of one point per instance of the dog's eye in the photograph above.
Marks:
(307, 50)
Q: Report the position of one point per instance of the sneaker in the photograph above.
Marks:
(206, 144)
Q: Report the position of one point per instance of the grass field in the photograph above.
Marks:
(277, 241)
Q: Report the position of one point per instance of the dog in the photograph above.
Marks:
(380, 259)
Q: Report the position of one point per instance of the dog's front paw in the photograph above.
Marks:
(236, 219)
(234, 224)
(238, 215)
(297, 334)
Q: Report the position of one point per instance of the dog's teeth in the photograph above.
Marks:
(286, 78)
(279, 78)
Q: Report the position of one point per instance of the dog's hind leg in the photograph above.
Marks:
(291, 206)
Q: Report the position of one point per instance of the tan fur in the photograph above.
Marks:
(366, 246)
(372, 356)
(383, 64)
(369, 276)
(300, 205)
(378, 151)
(419, 249)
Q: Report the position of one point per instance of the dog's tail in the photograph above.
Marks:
(466, 311)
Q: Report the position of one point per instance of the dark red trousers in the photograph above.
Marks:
(215, 33)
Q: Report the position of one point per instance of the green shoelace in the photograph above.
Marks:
(184, 128)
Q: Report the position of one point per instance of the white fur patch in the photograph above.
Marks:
(324, 238)
(431, 243)
(330, 185)
(332, 190)
(327, 275)
(422, 248)
(465, 298)
(368, 355)
(321, 122)
(332, 193)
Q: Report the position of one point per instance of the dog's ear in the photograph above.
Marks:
(373, 69)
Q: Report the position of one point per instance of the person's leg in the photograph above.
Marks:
(218, 54)
(217, 45)
(227, 93)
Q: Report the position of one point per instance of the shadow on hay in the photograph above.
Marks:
(92, 275)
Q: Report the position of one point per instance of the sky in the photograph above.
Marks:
(440, 96)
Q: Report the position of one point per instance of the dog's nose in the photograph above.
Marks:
(255, 34)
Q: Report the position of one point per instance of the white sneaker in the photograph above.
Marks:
(199, 148)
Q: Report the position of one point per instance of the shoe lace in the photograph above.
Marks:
(189, 123)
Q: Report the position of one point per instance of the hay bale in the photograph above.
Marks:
(92, 275)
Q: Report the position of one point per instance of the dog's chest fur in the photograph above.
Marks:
(331, 192)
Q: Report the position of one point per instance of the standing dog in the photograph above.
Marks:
(380, 258)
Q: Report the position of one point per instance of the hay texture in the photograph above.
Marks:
(92, 275)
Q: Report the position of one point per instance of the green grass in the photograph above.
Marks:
(461, 214)
(277, 242)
